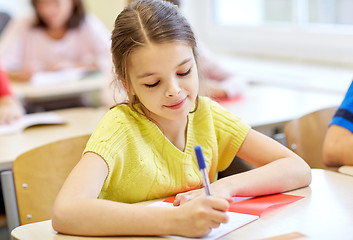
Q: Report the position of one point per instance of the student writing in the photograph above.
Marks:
(61, 36)
(145, 150)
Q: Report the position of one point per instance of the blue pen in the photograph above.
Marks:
(202, 167)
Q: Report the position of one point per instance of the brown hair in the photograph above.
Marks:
(143, 22)
(175, 2)
(77, 15)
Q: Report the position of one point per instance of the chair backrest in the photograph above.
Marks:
(39, 174)
(305, 136)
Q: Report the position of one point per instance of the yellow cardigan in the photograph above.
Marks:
(143, 164)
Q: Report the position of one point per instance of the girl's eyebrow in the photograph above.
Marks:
(143, 75)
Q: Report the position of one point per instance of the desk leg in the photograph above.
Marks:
(8, 190)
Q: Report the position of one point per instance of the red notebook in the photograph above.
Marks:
(257, 205)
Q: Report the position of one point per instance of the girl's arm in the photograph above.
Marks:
(278, 170)
(77, 210)
(337, 148)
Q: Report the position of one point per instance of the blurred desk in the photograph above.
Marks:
(325, 213)
(87, 84)
(346, 170)
(266, 106)
(79, 121)
(73, 91)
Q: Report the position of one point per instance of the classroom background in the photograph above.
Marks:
(295, 56)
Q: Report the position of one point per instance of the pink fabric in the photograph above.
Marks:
(4, 85)
(33, 48)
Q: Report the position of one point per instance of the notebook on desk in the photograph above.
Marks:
(55, 77)
(29, 120)
(236, 220)
(244, 210)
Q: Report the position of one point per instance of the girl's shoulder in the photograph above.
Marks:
(124, 115)
(120, 113)
(20, 26)
(207, 104)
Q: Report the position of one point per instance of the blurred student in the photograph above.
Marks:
(60, 37)
(10, 107)
(218, 82)
(338, 144)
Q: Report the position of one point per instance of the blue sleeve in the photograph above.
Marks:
(344, 115)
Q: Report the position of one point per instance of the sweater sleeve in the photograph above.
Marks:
(230, 131)
(4, 85)
(344, 115)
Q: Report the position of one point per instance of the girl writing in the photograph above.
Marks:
(144, 150)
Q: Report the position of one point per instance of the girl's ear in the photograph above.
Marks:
(127, 88)
(124, 84)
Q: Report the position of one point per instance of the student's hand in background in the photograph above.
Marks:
(10, 110)
(24, 75)
(197, 218)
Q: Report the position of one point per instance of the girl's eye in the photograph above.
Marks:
(152, 85)
(184, 74)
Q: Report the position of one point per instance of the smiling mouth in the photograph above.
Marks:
(176, 105)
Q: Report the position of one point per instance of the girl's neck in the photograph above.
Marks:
(57, 33)
(174, 130)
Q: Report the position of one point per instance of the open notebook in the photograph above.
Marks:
(55, 77)
(236, 220)
(32, 119)
(243, 211)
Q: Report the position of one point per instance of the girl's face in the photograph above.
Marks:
(55, 13)
(164, 77)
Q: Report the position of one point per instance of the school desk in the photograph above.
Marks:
(325, 212)
(346, 170)
(89, 83)
(72, 91)
(79, 121)
(267, 107)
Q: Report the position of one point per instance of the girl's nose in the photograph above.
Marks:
(173, 88)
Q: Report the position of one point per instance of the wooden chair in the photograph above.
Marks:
(305, 136)
(39, 174)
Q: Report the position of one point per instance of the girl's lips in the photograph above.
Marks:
(176, 105)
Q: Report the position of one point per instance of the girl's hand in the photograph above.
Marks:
(197, 218)
(218, 189)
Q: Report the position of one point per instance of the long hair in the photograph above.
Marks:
(143, 22)
(175, 2)
(77, 15)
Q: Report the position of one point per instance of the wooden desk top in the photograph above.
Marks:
(325, 213)
(80, 121)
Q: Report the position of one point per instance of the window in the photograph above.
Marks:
(312, 30)
(296, 12)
